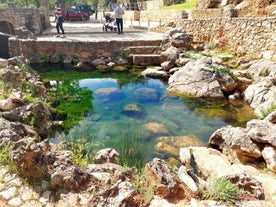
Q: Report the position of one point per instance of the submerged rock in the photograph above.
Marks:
(109, 94)
(146, 95)
(134, 111)
(156, 128)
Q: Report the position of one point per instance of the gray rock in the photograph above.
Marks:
(261, 94)
(107, 155)
(200, 79)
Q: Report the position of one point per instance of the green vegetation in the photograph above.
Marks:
(221, 190)
(265, 112)
(82, 152)
(264, 72)
(45, 58)
(131, 147)
(5, 156)
(221, 69)
(188, 5)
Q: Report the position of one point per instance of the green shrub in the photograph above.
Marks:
(220, 190)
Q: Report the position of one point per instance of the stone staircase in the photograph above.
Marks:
(144, 55)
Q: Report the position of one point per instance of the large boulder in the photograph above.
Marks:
(202, 78)
(158, 174)
(261, 94)
(251, 144)
(14, 131)
(33, 115)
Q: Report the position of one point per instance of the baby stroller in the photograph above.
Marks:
(109, 24)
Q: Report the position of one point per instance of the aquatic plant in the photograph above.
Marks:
(132, 148)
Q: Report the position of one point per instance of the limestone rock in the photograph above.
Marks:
(235, 143)
(182, 40)
(158, 173)
(262, 68)
(169, 57)
(120, 194)
(269, 155)
(34, 115)
(155, 73)
(16, 99)
(107, 155)
(256, 141)
(200, 79)
(171, 145)
(14, 131)
(216, 164)
(251, 187)
(261, 95)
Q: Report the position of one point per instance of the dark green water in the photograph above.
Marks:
(102, 101)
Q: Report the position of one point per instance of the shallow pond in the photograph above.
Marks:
(124, 111)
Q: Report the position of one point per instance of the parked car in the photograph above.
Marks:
(74, 14)
(86, 8)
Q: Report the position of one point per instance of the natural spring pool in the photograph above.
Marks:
(131, 113)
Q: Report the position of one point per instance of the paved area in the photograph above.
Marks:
(92, 30)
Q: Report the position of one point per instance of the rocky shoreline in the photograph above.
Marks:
(47, 175)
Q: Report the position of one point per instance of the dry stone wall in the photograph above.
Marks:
(254, 37)
(32, 19)
(39, 51)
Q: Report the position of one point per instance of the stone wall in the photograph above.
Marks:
(254, 37)
(38, 51)
(32, 19)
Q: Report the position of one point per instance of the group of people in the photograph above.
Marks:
(119, 12)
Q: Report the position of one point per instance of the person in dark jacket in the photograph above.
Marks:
(59, 19)
(119, 12)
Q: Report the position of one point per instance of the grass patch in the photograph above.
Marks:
(188, 5)
(221, 190)
(131, 147)
(5, 156)
(265, 112)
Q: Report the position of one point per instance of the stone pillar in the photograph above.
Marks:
(45, 8)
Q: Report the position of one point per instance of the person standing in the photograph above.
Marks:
(59, 20)
(119, 12)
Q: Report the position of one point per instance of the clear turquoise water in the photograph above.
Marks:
(108, 125)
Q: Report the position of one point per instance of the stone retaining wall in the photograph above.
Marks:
(254, 37)
(32, 19)
(38, 51)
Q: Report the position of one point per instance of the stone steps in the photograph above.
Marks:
(144, 55)
(146, 59)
